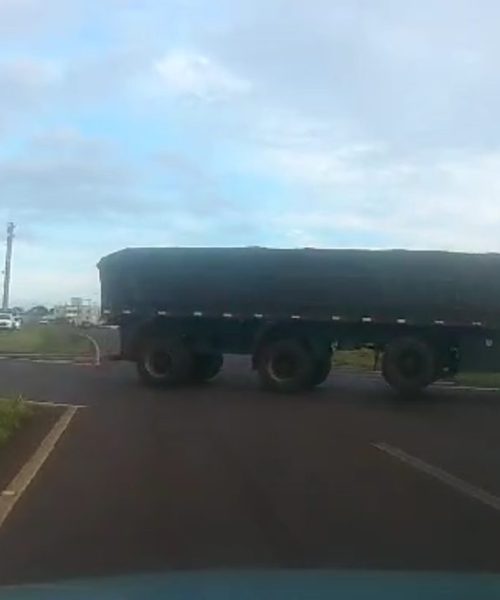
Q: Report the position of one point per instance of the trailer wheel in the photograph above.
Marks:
(163, 363)
(322, 369)
(409, 364)
(206, 366)
(285, 366)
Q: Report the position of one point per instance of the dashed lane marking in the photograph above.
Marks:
(14, 490)
(459, 485)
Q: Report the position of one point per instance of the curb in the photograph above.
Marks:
(30, 356)
(79, 360)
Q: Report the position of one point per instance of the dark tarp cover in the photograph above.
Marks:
(421, 286)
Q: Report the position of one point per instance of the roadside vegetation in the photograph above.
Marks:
(486, 380)
(13, 414)
(363, 359)
(44, 339)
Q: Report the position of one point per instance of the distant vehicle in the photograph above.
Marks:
(7, 322)
(44, 321)
(430, 314)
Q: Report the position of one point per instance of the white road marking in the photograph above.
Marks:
(46, 361)
(50, 361)
(472, 388)
(56, 404)
(459, 485)
(14, 490)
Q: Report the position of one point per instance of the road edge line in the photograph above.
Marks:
(18, 485)
(473, 388)
(459, 485)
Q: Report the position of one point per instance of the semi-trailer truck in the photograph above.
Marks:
(179, 310)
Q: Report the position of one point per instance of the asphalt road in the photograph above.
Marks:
(226, 475)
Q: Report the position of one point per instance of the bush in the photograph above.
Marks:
(12, 415)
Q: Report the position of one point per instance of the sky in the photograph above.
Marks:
(280, 123)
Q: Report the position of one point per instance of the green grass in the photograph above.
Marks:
(486, 380)
(357, 359)
(46, 339)
(13, 413)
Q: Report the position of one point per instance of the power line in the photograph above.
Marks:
(8, 261)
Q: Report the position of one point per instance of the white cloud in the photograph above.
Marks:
(446, 202)
(28, 87)
(418, 74)
(24, 81)
(62, 173)
(194, 74)
(52, 285)
(27, 17)
(29, 72)
(341, 166)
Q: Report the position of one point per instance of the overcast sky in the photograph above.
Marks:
(262, 122)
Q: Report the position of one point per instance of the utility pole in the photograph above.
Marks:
(8, 260)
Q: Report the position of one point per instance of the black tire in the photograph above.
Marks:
(321, 371)
(206, 366)
(409, 365)
(164, 363)
(285, 366)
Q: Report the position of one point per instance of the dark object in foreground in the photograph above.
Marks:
(181, 309)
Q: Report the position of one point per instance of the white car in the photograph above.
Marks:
(7, 322)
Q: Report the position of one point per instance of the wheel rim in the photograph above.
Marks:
(158, 364)
(410, 364)
(283, 367)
